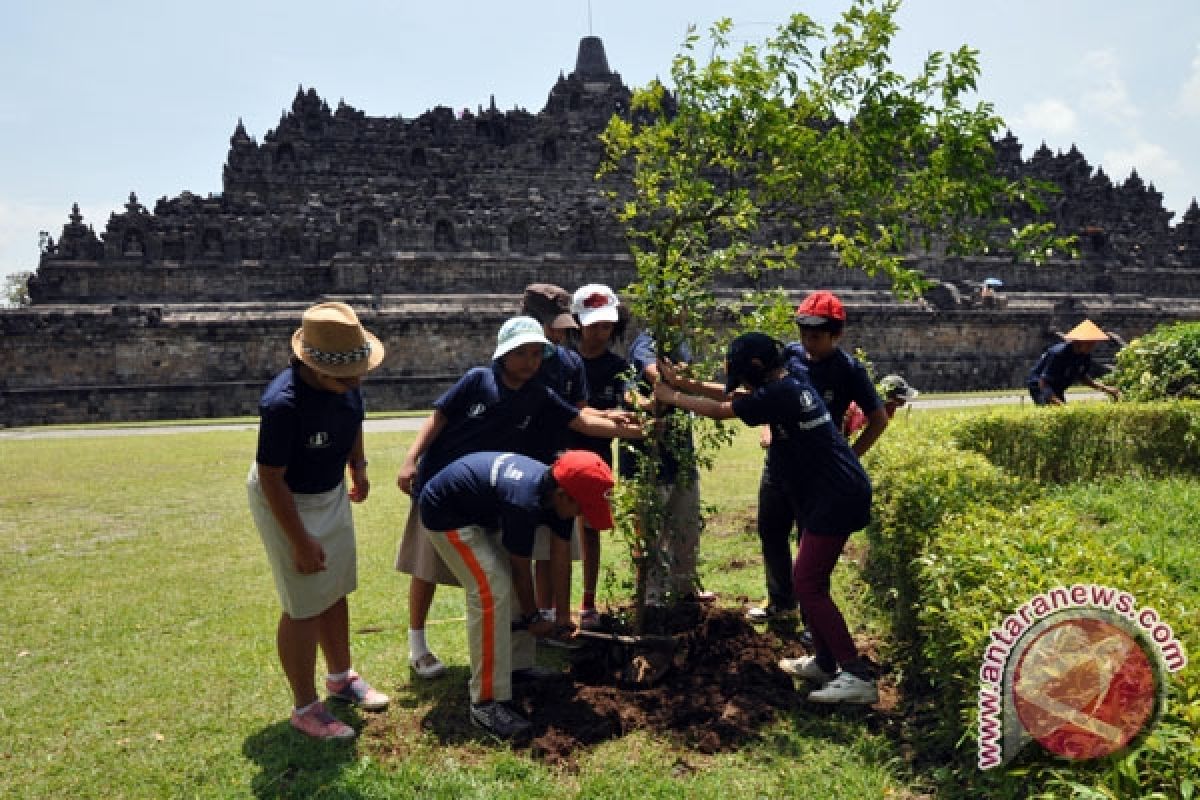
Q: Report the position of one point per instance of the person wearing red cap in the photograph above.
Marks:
(817, 471)
(497, 407)
(840, 379)
(1068, 362)
(481, 513)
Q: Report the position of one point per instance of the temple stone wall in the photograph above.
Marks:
(175, 362)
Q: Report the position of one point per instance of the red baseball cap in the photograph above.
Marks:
(587, 479)
(819, 308)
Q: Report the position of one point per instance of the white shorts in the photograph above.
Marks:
(327, 518)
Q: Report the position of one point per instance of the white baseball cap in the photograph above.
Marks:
(594, 303)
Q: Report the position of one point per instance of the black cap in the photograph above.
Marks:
(743, 352)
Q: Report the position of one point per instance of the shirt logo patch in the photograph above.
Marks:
(525, 423)
(807, 401)
(476, 410)
(318, 441)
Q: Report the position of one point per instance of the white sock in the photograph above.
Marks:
(416, 643)
(302, 711)
(338, 678)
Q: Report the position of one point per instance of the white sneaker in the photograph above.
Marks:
(427, 666)
(805, 667)
(846, 688)
(769, 612)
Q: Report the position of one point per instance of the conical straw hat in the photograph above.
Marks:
(1086, 331)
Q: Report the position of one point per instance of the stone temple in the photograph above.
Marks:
(430, 227)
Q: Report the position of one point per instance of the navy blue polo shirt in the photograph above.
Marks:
(606, 379)
(642, 354)
(484, 414)
(840, 379)
(308, 431)
(495, 491)
(1060, 366)
(808, 456)
(565, 374)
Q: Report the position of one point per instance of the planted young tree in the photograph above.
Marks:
(813, 134)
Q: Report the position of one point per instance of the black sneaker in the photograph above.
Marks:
(535, 673)
(499, 719)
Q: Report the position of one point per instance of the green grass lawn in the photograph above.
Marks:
(139, 617)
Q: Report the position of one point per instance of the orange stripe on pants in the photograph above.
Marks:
(487, 603)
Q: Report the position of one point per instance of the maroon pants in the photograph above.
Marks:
(811, 572)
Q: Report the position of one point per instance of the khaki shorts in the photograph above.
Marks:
(417, 556)
(543, 535)
(327, 518)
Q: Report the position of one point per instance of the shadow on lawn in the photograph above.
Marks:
(293, 765)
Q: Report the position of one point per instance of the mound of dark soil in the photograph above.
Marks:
(723, 688)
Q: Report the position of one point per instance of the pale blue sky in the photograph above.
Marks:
(100, 99)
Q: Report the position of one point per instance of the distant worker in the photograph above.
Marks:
(1066, 363)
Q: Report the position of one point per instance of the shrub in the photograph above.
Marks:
(984, 564)
(1075, 443)
(959, 542)
(1163, 364)
(916, 487)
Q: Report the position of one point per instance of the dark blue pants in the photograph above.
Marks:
(777, 515)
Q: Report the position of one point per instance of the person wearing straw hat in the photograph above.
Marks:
(309, 435)
(1067, 363)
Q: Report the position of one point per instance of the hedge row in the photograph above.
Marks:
(1082, 442)
(959, 542)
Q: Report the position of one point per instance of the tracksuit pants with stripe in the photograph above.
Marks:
(481, 564)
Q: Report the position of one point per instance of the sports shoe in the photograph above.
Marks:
(805, 667)
(427, 666)
(499, 719)
(846, 688)
(560, 637)
(318, 723)
(769, 612)
(357, 691)
(589, 619)
(535, 673)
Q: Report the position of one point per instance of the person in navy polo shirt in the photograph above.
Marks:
(840, 379)
(498, 407)
(310, 434)
(602, 321)
(481, 513)
(810, 459)
(1066, 363)
(562, 370)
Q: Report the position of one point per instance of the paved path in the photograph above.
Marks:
(414, 423)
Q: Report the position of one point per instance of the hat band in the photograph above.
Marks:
(338, 359)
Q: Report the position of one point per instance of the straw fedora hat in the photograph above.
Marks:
(332, 341)
(1086, 331)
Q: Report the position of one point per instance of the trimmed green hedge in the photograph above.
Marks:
(1082, 442)
(959, 542)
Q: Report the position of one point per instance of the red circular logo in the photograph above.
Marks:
(1084, 688)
